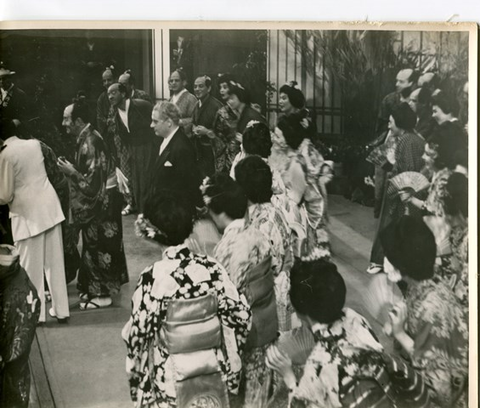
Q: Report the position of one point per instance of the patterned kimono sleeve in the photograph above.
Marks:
(236, 320)
(436, 199)
(298, 183)
(221, 126)
(93, 178)
(138, 334)
(23, 311)
(433, 353)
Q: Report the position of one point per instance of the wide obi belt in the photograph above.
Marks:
(191, 333)
(260, 294)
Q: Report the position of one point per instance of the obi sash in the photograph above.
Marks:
(191, 332)
(260, 294)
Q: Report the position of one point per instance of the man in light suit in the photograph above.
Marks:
(36, 216)
(175, 167)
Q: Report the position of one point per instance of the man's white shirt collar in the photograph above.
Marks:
(124, 113)
(166, 141)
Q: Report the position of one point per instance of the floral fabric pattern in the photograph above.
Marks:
(459, 242)
(224, 127)
(437, 191)
(270, 221)
(344, 350)
(239, 250)
(180, 275)
(19, 313)
(316, 244)
(438, 326)
(96, 211)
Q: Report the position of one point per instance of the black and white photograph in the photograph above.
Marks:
(238, 215)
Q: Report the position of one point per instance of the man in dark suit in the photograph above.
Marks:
(132, 122)
(13, 101)
(175, 169)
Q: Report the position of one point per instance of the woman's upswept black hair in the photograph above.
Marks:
(410, 247)
(223, 194)
(172, 215)
(295, 95)
(295, 128)
(255, 178)
(318, 290)
(257, 140)
(404, 117)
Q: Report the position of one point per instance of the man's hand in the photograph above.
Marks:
(200, 130)
(65, 166)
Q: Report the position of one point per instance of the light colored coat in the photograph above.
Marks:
(24, 186)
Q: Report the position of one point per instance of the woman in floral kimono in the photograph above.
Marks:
(19, 313)
(302, 177)
(439, 158)
(246, 255)
(430, 325)
(255, 178)
(456, 209)
(188, 325)
(346, 366)
(96, 206)
(225, 122)
(232, 121)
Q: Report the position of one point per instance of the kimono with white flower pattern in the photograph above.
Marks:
(180, 275)
(437, 324)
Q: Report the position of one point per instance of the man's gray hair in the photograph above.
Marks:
(168, 110)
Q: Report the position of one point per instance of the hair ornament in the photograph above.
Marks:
(252, 123)
(293, 84)
(144, 228)
(233, 83)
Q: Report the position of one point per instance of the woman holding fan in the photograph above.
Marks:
(407, 156)
(430, 326)
(439, 157)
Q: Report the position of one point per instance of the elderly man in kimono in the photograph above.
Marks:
(208, 146)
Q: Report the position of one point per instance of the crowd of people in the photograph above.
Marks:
(245, 306)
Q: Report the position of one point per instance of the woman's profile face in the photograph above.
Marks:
(393, 127)
(284, 103)
(234, 102)
(224, 90)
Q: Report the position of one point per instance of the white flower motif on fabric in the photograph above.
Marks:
(197, 273)
(165, 287)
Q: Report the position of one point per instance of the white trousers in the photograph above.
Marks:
(41, 254)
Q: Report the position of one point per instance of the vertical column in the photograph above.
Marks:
(161, 63)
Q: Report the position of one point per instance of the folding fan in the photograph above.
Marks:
(407, 180)
(297, 344)
(380, 296)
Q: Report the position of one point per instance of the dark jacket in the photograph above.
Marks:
(139, 119)
(175, 170)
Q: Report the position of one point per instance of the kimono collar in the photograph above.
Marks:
(9, 263)
(329, 331)
(237, 224)
(85, 129)
(176, 251)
